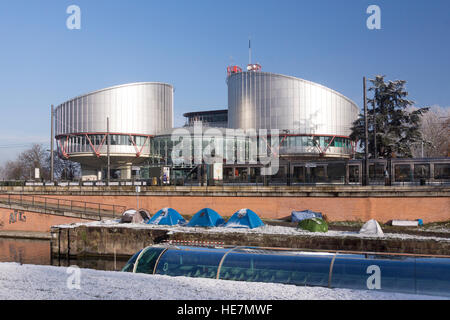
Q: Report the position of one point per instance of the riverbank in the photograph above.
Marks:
(110, 238)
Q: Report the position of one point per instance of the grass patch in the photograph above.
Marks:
(354, 224)
(436, 226)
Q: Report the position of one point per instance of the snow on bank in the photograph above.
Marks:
(30, 282)
(266, 229)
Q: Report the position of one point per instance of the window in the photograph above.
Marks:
(190, 263)
(376, 171)
(318, 174)
(114, 140)
(402, 172)
(353, 173)
(327, 141)
(442, 171)
(299, 174)
(336, 172)
(322, 141)
(421, 171)
(148, 259)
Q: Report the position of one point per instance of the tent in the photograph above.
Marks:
(135, 216)
(206, 217)
(313, 225)
(168, 217)
(372, 228)
(244, 218)
(297, 216)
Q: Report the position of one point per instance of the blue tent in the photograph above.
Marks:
(206, 218)
(167, 216)
(244, 218)
(297, 216)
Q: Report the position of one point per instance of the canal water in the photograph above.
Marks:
(38, 252)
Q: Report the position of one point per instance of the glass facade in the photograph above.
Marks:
(244, 149)
(394, 273)
(230, 148)
(192, 262)
(214, 118)
(81, 143)
(271, 266)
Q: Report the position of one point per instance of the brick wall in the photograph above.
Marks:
(23, 220)
(383, 209)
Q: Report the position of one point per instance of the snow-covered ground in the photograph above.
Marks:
(31, 282)
(267, 229)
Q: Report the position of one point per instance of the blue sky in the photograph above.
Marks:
(190, 43)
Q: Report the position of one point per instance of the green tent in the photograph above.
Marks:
(313, 225)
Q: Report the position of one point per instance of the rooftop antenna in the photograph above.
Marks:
(249, 51)
(250, 66)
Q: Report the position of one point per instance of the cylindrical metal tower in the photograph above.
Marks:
(136, 113)
(312, 119)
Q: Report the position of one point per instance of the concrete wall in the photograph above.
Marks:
(124, 242)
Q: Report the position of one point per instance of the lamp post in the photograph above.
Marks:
(375, 152)
(108, 139)
(366, 137)
(52, 159)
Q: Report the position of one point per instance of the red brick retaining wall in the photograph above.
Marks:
(23, 220)
(383, 209)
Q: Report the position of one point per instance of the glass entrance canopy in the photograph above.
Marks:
(394, 273)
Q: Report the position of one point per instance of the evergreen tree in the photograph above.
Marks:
(397, 129)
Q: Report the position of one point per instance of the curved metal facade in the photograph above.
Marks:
(136, 112)
(138, 108)
(261, 100)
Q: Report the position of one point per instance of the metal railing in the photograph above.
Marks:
(22, 186)
(46, 204)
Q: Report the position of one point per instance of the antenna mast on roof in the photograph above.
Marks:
(249, 51)
(250, 66)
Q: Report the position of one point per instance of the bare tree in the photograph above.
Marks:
(435, 129)
(12, 170)
(23, 167)
(35, 157)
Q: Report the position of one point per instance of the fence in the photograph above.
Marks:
(52, 204)
(292, 172)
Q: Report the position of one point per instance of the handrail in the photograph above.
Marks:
(58, 204)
